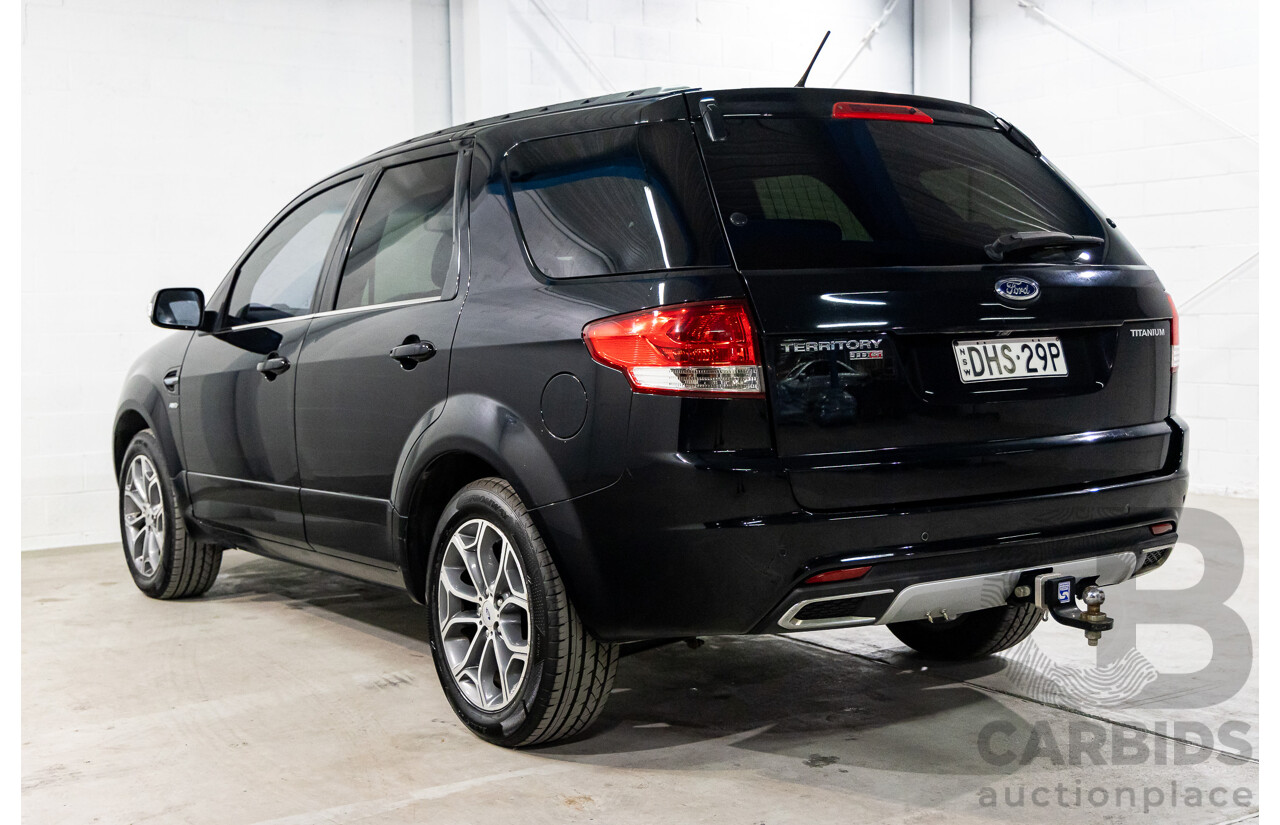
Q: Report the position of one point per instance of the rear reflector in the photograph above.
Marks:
(1162, 528)
(879, 111)
(1173, 336)
(685, 349)
(838, 575)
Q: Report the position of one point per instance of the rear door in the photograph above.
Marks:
(905, 363)
(374, 371)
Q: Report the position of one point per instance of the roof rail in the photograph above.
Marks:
(583, 103)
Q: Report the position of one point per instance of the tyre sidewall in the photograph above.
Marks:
(513, 724)
(145, 443)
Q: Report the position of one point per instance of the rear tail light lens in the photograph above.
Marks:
(1162, 528)
(879, 111)
(686, 349)
(1173, 336)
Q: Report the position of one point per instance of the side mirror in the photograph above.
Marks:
(177, 308)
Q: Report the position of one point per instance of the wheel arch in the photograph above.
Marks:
(144, 409)
(474, 437)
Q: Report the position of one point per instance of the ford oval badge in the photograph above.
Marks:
(1018, 289)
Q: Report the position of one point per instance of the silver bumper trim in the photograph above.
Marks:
(790, 622)
(970, 593)
(965, 594)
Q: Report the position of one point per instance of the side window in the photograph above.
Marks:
(631, 199)
(403, 247)
(278, 279)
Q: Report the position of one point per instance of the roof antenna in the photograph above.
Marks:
(805, 76)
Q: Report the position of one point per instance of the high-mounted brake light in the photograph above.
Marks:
(1173, 336)
(879, 111)
(685, 349)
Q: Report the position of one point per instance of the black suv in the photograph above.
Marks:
(671, 363)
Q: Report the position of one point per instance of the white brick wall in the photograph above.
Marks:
(158, 137)
(1183, 188)
(704, 43)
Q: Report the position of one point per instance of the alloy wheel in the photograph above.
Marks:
(142, 506)
(482, 607)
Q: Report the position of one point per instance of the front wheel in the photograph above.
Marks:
(970, 635)
(513, 657)
(166, 562)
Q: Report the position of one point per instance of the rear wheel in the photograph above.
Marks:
(165, 560)
(513, 657)
(971, 635)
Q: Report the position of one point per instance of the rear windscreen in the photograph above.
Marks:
(631, 199)
(812, 192)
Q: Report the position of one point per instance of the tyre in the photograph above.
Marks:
(971, 635)
(513, 657)
(166, 562)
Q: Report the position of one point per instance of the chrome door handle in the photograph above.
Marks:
(273, 366)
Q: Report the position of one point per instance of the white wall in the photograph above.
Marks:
(158, 137)
(514, 57)
(1183, 188)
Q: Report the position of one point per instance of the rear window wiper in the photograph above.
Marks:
(1027, 241)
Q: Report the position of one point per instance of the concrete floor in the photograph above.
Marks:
(292, 696)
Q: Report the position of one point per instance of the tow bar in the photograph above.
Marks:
(1056, 595)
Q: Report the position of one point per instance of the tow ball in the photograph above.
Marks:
(1056, 595)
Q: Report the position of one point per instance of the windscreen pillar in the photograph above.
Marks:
(940, 49)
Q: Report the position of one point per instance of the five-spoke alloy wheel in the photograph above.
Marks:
(482, 606)
(142, 506)
(165, 560)
(514, 659)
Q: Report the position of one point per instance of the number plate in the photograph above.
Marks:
(1005, 359)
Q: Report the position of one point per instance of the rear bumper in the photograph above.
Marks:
(900, 599)
(679, 548)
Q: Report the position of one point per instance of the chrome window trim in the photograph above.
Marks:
(328, 312)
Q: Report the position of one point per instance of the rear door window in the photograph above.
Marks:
(403, 249)
(801, 192)
(632, 199)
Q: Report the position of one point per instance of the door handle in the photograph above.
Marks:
(273, 366)
(412, 352)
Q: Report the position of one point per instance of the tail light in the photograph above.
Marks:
(1173, 336)
(686, 349)
(879, 111)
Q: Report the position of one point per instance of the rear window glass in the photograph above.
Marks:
(812, 192)
(632, 199)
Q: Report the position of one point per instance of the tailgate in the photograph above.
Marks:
(944, 316)
(870, 408)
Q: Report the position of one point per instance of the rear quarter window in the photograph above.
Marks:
(631, 199)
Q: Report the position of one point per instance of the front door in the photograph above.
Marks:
(236, 390)
(374, 370)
